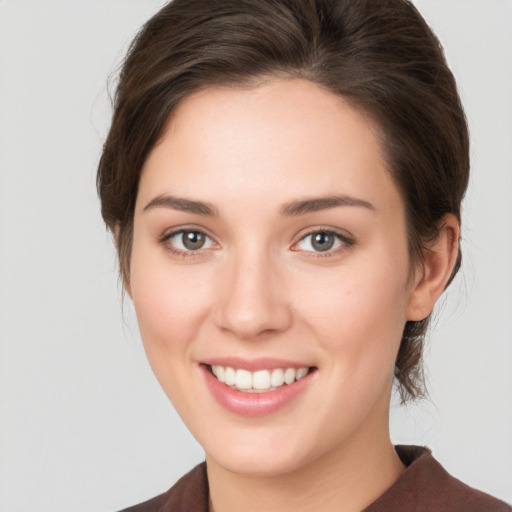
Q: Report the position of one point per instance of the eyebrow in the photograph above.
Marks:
(293, 208)
(315, 204)
(184, 205)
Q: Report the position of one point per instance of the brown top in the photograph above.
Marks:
(423, 487)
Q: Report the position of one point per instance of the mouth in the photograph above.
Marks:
(260, 381)
(257, 387)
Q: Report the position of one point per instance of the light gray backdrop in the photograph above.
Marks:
(83, 424)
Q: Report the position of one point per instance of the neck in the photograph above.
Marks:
(346, 479)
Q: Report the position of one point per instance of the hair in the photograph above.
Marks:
(379, 55)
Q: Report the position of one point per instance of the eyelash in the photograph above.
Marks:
(345, 241)
(165, 240)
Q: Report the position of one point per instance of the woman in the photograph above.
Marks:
(283, 180)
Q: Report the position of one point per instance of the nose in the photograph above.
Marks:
(252, 300)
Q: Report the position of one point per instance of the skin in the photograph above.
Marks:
(257, 288)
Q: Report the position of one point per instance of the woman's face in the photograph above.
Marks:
(269, 243)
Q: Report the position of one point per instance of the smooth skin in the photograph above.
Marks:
(255, 285)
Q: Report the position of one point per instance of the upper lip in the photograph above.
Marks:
(261, 363)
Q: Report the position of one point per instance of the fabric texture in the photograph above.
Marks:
(424, 486)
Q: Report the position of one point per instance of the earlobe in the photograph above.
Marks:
(436, 270)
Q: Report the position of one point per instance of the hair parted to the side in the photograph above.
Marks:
(379, 55)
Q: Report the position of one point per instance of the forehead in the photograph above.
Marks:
(282, 138)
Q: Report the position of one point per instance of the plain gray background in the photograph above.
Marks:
(84, 425)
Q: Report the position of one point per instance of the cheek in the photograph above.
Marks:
(358, 311)
(357, 317)
(170, 300)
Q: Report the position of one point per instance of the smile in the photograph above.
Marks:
(257, 387)
(260, 381)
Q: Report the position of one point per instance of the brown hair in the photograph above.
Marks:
(379, 55)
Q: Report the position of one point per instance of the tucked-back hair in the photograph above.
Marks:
(379, 55)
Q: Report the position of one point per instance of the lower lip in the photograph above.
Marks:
(254, 404)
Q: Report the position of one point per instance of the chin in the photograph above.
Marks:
(257, 463)
(261, 454)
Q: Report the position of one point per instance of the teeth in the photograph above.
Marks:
(301, 372)
(277, 378)
(243, 379)
(289, 375)
(221, 374)
(229, 376)
(261, 380)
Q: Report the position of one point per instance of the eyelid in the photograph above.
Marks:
(169, 234)
(170, 231)
(346, 239)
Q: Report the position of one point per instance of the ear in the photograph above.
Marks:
(433, 275)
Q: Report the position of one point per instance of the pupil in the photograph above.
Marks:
(193, 240)
(323, 241)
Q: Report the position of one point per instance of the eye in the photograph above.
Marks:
(323, 241)
(189, 240)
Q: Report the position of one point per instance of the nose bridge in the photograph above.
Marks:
(252, 301)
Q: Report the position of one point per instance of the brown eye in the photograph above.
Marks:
(188, 240)
(193, 240)
(322, 241)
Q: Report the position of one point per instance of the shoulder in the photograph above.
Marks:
(188, 494)
(426, 485)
